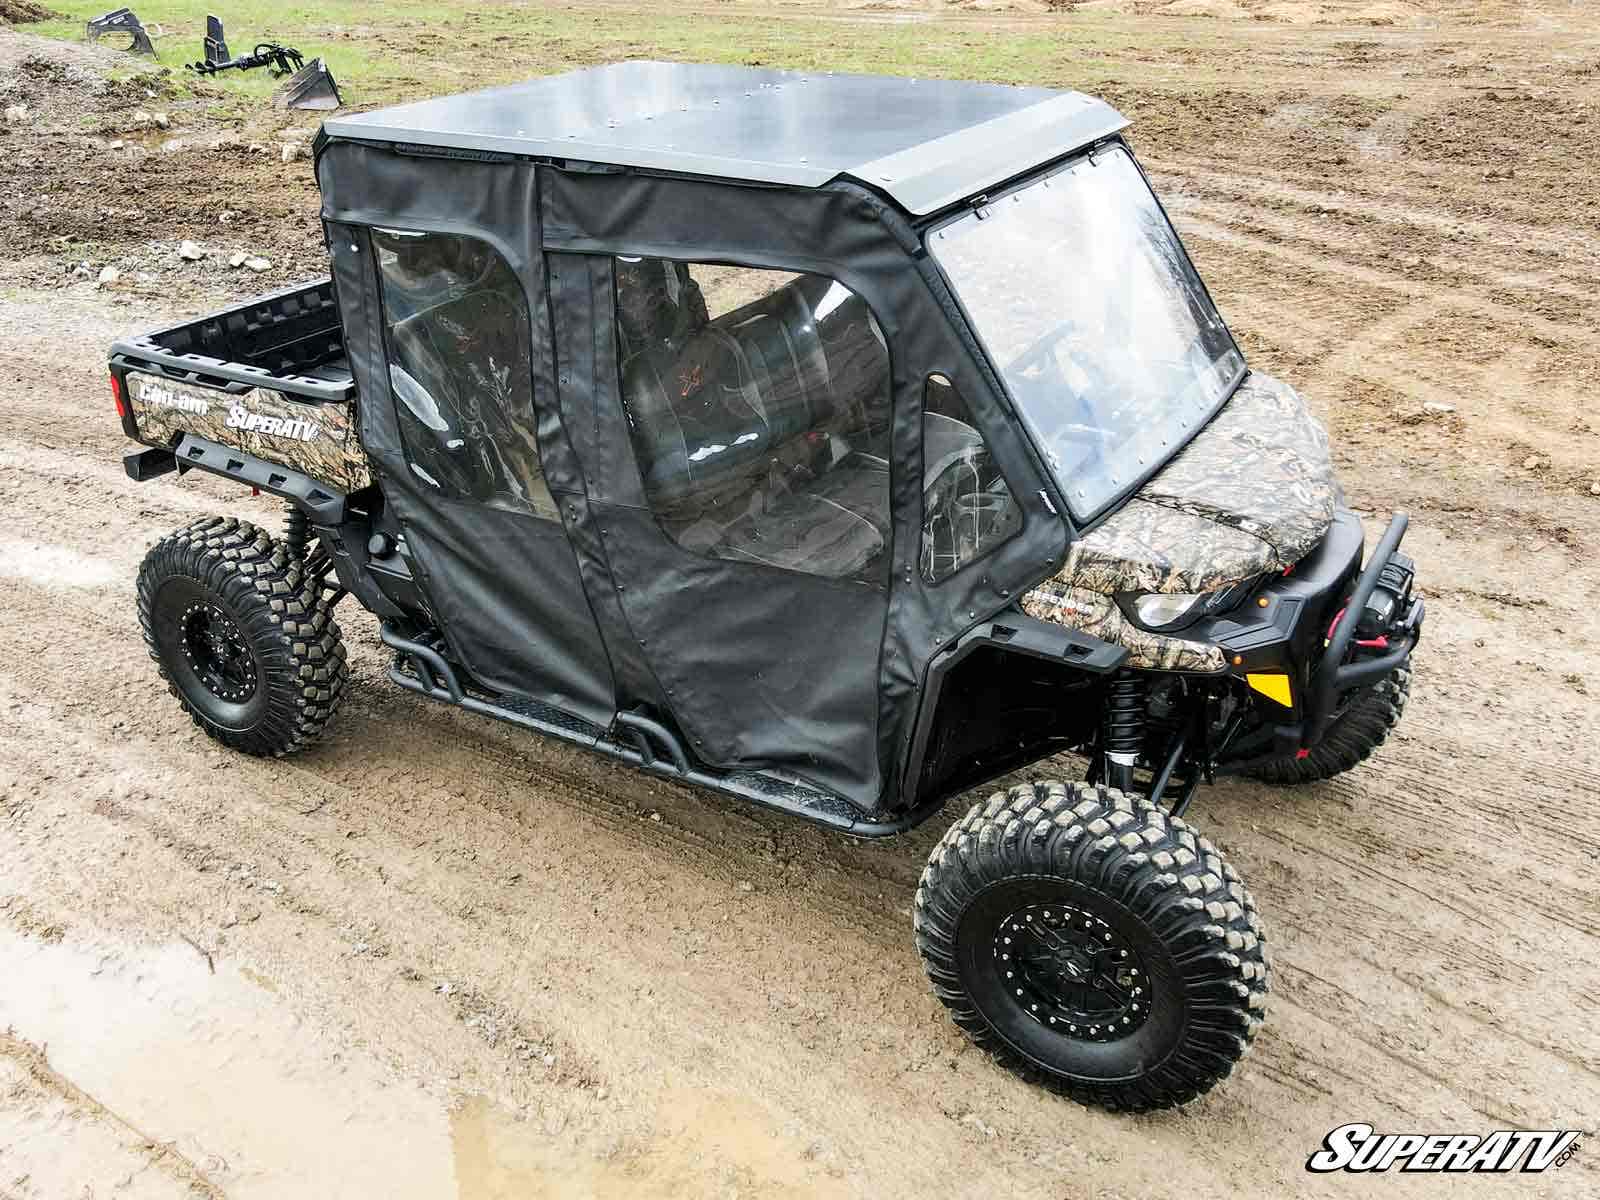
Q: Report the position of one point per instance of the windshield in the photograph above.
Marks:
(1094, 316)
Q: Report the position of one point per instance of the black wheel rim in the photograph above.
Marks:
(217, 652)
(1114, 1052)
(209, 655)
(1072, 972)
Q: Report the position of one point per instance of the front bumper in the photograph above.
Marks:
(1292, 634)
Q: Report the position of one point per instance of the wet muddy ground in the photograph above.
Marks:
(437, 956)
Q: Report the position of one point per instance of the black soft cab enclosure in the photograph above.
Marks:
(736, 356)
(837, 443)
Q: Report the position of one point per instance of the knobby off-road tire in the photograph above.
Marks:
(1364, 725)
(1019, 887)
(246, 643)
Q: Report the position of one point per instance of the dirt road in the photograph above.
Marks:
(435, 956)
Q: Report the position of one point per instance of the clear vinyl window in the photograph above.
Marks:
(1092, 313)
(456, 326)
(967, 507)
(758, 406)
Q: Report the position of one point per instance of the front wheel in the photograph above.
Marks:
(1091, 943)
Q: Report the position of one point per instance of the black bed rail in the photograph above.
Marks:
(276, 341)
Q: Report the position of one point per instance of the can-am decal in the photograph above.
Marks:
(159, 395)
(240, 417)
(1359, 1147)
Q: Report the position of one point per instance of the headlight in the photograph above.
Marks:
(1161, 612)
(1166, 610)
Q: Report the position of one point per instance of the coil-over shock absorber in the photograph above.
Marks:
(296, 532)
(1122, 736)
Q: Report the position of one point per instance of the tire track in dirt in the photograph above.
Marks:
(606, 981)
(448, 743)
(421, 825)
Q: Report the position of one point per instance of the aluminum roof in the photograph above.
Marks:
(926, 143)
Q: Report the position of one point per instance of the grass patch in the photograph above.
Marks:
(384, 52)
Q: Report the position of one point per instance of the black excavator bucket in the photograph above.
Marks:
(312, 86)
(216, 42)
(121, 21)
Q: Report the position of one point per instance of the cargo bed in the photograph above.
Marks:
(246, 392)
(291, 341)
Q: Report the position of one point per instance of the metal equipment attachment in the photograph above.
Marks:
(312, 86)
(216, 43)
(283, 60)
(309, 84)
(121, 20)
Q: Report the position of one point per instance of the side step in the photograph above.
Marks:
(650, 746)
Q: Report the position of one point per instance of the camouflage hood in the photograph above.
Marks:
(1252, 493)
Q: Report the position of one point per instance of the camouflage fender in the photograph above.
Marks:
(1253, 493)
(315, 439)
(1098, 615)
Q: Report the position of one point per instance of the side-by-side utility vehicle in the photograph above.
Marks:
(838, 443)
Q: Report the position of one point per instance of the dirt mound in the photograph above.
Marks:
(122, 168)
(24, 12)
(1226, 9)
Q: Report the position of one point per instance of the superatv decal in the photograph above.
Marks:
(1252, 493)
(240, 417)
(318, 440)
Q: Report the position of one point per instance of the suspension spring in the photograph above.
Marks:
(1123, 735)
(296, 532)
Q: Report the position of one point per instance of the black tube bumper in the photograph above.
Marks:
(1291, 633)
(1334, 676)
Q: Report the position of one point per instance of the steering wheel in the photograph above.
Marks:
(1051, 389)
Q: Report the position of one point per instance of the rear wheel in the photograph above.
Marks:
(243, 639)
(1365, 724)
(1093, 944)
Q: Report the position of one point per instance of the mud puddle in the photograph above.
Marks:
(203, 1064)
